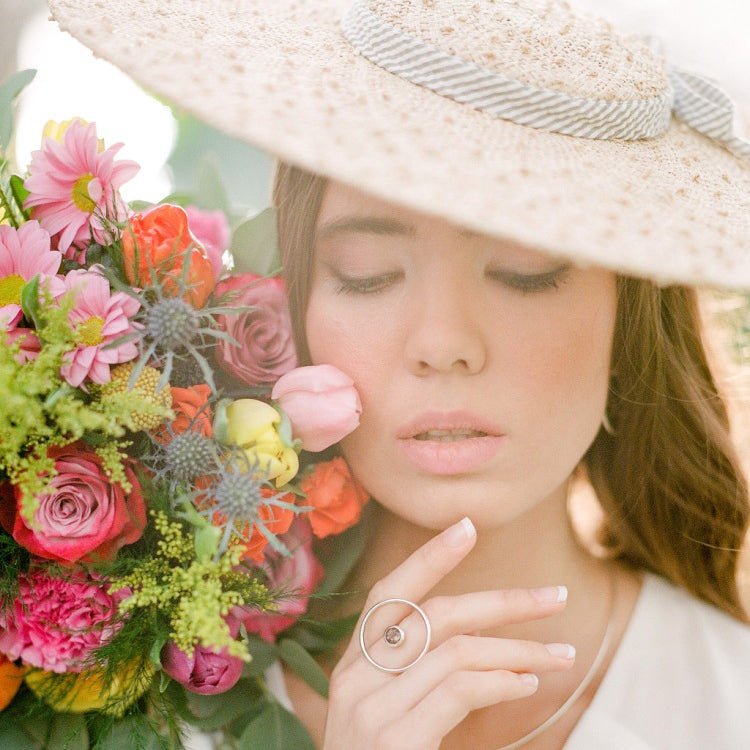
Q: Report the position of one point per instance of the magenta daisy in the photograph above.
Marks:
(100, 317)
(73, 187)
(24, 253)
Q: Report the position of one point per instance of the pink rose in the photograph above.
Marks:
(85, 517)
(56, 623)
(321, 402)
(299, 574)
(212, 230)
(266, 349)
(206, 672)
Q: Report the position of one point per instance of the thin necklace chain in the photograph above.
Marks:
(586, 678)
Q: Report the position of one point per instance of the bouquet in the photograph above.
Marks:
(167, 509)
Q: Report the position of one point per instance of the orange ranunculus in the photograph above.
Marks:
(337, 496)
(276, 520)
(11, 678)
(186, 404)
(159, 239)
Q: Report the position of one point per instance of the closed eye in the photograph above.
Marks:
(525, 283)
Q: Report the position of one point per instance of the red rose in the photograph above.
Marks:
(84, 517)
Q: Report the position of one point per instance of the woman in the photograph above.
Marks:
(492, 216)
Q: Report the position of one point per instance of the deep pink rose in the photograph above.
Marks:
(85, 517)
(299, 574)
(206, 672)
(56, 623)
(321, 402)
(266, 349)
(212, 229)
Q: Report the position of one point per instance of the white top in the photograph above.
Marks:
(679, 680)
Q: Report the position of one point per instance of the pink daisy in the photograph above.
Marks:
(73, 187)
(24, 253)
(101, 317)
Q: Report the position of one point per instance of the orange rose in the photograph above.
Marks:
(159, 240)
(11, 678)
(337, 496)
(186, 404)
(276, 520)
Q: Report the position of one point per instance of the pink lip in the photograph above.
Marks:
(448, 420)
(453, 457)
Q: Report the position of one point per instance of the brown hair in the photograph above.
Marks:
(669, 479)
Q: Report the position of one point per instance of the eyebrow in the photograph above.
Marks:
(379, 225)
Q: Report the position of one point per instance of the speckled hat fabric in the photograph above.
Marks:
(521, 119)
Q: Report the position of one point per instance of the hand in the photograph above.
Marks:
(369, 709)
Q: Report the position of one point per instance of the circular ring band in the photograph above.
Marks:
(362, 635)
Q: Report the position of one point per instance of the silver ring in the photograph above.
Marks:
(393, 635)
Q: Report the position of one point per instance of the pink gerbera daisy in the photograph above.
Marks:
(73, 187)
(101, 317)
(24, 253)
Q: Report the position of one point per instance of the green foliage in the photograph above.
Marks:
(275, 728)
(255, 245)
(9, 90)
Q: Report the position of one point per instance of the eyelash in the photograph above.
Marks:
(526, 284)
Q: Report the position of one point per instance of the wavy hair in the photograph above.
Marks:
(669, 480)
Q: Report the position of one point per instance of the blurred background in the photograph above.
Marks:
(180, 154)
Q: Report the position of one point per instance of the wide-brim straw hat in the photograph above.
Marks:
(520, 119)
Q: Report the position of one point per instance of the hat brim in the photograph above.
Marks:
(281, 76)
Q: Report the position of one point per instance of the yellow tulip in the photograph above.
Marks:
(87, 691)
(252, 426)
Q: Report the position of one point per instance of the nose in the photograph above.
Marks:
(444, 329)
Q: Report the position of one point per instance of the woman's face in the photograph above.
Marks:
(429, 319)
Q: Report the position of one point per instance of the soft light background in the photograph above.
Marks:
(704, 36)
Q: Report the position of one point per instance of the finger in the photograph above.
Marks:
(449, 704)
(467, 653)
(412, 580)
(453, 615)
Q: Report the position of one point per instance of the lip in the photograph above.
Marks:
(455, 457)
(448, 420)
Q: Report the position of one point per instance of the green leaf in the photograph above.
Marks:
(214, 711)
(68, 732)
(20, 194)
(12, 736)
(154, 653)
(206, 541)
(221, 423)
(275, 728)
(254, 245)
(304, 665)
(30, 301)
(346, 549)
(264, 654)
(9, 90)
(132, 732)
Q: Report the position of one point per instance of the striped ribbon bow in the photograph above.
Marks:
(696, 100)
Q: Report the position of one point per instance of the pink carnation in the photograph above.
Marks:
(212, 230)
(72, 186)
(102, 317)
(56, 623)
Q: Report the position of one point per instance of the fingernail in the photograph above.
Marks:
(562, 650)
(529, 679)
(551, 594)
(460, 533)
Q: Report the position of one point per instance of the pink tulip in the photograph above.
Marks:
(299, 574)
(206, 672)
(321, 402)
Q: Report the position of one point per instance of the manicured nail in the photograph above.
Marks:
(460, 533)
(562, 650)
(529, 679)
(551, 594)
